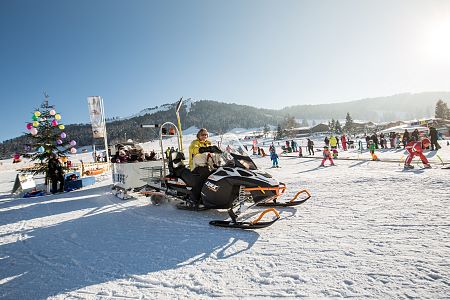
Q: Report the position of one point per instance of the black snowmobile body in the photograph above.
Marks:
(227, 187)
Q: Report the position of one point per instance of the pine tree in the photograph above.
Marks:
(266, 130)
(46, 136)
(442, 111)
(349, 125)
(279, 132)
(332, 125)
(289, 122)
(337, 127)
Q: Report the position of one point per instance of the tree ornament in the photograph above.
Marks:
(63, 135)
(58, 117)
(52, 112)
(73, 150)
(61, 126)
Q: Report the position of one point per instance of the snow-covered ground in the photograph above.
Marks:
(371, 230)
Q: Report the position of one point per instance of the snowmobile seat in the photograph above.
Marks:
(177, 169)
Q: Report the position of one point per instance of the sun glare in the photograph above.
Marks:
(437, 42)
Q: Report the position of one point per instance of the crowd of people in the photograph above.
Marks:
(132, 153)
(413, 142)
(396, 140)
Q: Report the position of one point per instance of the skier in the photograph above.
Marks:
(274, 159)
(55, 173)
(288, 147)
(367, 138)
(374, 138)
(326, 141)
(335, 153)
(372, 151)
(415, 135)
(344, 142)
(382, 141)
(405, 139)
(360, 145)
(263, 153)
(326, 155)
(416, 148)
(333, 142)
(293, 146)
(433, 139)
(310, 147)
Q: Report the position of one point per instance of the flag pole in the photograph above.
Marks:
(179, 123)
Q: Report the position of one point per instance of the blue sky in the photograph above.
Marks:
(271, 54)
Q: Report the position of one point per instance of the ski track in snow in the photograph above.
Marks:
(370, 230)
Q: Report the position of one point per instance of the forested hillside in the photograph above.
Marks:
(220, 117)
(216, 116)
(382, 109)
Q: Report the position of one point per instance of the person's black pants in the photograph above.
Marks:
(435, 145)
(195, 179)
(55, 179)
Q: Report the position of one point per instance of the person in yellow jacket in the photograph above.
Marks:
(333, 142)
(194, 148)
(201, 171)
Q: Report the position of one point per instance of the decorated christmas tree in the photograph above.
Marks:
(46, 136)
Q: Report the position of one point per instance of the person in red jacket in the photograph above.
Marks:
(326, 155)
(344, 142)
(416, 148)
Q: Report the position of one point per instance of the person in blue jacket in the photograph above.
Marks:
(274, 158)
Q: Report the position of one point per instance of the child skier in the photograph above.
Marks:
(274, 158)
(326, 155)
(372, 151)
(416, 148)
(335, 154)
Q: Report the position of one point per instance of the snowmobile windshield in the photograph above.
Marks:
(234, 153)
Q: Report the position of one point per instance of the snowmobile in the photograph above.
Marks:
(233, 183)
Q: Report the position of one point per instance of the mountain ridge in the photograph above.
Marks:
(219, 116)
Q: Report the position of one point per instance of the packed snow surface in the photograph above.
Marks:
(370, 230)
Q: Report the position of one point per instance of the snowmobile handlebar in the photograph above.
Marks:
(211, 149)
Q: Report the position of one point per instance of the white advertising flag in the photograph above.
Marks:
(97, 116)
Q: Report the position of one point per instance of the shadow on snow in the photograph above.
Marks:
(109, 241)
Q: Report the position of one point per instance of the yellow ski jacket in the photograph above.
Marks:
(194, 150)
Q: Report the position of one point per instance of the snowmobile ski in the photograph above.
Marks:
(242, 225)
(255, 224)
(272, 201)
(292, 202)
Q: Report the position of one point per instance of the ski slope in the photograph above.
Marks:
(371, 230)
